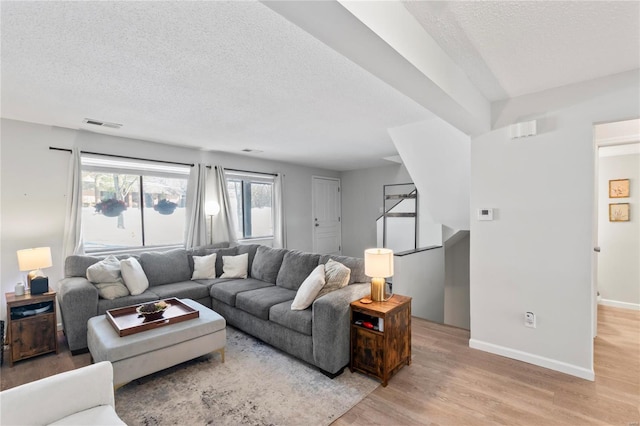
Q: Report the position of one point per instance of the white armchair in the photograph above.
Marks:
(78, 397)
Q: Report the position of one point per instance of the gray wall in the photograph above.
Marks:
(362, 204)
(456, 282)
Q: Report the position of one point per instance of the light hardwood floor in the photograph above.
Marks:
(450, 384)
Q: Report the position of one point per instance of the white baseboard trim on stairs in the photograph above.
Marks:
(616, 304)
(552, 364)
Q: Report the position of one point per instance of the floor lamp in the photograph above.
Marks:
(211, 208)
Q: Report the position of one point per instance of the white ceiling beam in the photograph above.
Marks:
(385, 39)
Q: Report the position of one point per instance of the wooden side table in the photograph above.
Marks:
(31, 325)
(382, 351)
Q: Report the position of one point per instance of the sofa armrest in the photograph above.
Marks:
(330, 326)
(78, 300)
(58, 396)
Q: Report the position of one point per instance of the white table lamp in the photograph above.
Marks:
(378, 264)
(33, 260)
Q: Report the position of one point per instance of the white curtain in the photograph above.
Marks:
(279, 231)
(223, 228)
(196, 234)
(72, 243)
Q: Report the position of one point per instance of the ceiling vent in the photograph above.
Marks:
(102, 123)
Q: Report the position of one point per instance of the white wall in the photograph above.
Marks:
(33, 181)
(537, 253)
(437, 156)
(618, 265)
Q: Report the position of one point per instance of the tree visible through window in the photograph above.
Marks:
(125, 209)
(251, 199)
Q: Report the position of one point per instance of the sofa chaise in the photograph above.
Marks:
(259, 305)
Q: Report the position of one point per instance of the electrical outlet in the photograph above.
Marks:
(530, 319)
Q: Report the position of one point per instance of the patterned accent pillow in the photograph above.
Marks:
(336, 276)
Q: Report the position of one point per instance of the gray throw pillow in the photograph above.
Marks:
(296, 267)
(167, 267)
(267, 263)
(336, 276)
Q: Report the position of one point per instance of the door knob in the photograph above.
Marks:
(596, 249)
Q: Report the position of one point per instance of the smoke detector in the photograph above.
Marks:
(102, 123)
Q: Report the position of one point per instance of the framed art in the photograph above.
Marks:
(619, 212)
(619, 188)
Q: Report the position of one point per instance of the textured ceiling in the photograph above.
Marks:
(215, 75)
(512, 48)
(225, 76)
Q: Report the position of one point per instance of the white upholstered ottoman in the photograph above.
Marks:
(143, 353)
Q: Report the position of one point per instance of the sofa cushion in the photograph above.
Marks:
(182, 290)
(133, 276)
(106, 304)
(250, 249)
(112, 290)
(227, 291)
(258, 302)
(105, 271)
(299, 321)
(235, 266)
(166, 267)
(207, 251)
(296, 267)
(266, 264)
(309, 289)
(354, 263)
(204, 267)
(336, 276)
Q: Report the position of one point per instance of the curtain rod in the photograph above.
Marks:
(249, 171)
(124, 156)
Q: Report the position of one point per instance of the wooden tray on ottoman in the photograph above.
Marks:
(126, 320)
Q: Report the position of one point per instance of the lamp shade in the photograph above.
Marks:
(211, 208)
(378, 262)
(34, 258)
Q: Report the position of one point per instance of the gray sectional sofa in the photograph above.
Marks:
(259, 305)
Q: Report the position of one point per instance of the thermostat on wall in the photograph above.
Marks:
(485, 214)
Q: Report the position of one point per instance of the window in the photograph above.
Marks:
(251, 199)
(127, 204)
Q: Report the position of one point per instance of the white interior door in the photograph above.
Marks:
(327, 210)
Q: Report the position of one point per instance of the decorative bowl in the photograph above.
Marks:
(152, 311)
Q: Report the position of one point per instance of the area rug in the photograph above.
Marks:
(256, 385)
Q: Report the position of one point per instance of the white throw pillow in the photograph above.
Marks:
(204, 267)
(336, 276)
(112, 290)
(133, 275)
(235, 266)
(309, 289)
(105, 271)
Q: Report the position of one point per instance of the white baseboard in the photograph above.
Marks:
(616, 304)
(552, 364)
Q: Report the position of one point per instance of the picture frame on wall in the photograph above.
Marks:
(619, 188)
(619, 212)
